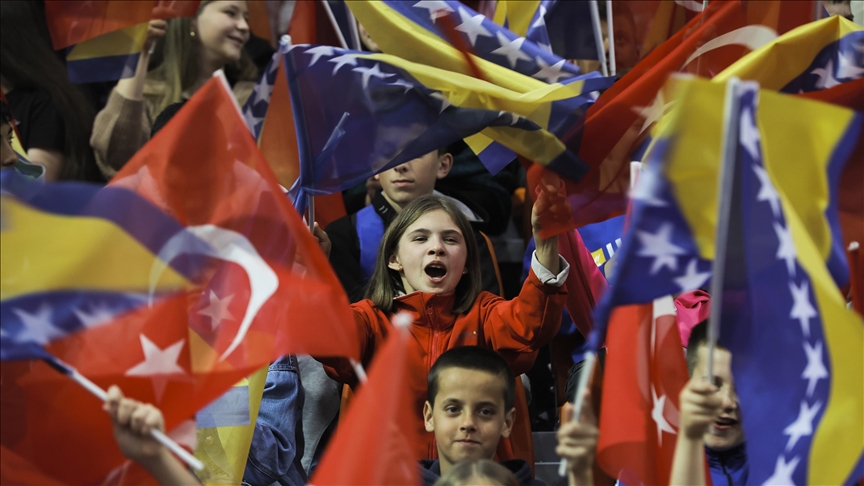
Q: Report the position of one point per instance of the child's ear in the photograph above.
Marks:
(509, 420)
(446, 162)
(393, 263)
(428, 421)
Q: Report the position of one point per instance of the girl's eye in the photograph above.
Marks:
(450, 240)
(419, 238)
(487, 412)
(451, 409)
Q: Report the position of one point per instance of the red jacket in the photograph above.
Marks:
(516, 328)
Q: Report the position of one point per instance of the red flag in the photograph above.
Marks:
(619, 121)
(73, 21)
(269, 292)
(375, 440)
(645, 371)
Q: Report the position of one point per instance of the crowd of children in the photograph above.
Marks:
(410, 249)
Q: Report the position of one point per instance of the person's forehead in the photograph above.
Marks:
(439, 219)
(467, 385)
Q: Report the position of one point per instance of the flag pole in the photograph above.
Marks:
(310, 212)
(726, 181)
(598, 36)
(610, 33)
(335, 24)
(101, 394)
(578, 399)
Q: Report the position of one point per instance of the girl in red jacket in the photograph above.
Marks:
(428, 267)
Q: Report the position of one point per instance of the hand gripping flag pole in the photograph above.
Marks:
(101, 394)
(578, 398)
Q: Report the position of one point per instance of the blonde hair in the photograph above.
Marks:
(386, 284)
(179, 52)
(461, 473)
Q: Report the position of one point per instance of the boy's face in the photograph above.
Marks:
(726, 432)
(405, 183)
(469, 416)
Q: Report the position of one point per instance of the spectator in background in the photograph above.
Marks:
(187, 52)
(54, 119)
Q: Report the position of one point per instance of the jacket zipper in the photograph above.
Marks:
(726, 473)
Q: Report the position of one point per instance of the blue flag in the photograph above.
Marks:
(358, 114)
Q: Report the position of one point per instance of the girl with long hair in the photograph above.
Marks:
(428, 267)
(187, 52)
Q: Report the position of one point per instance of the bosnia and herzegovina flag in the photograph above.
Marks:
(796, 347)
(74, 257)
(430, 33)
(359, 113)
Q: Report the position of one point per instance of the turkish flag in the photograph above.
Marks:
(266, 290)
(644, 374)
(619, 121)
(375, 440)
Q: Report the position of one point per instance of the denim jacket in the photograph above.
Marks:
(277, 444)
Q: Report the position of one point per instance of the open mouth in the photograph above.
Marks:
(237, 39)
(725, 423)
(436, 271)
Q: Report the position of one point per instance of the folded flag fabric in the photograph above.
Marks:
(413, 31)
(782, 275)
(360, 113)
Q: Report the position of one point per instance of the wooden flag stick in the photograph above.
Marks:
(101, 394)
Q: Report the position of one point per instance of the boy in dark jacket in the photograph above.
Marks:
(469, 409)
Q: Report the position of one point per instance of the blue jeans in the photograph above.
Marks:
(277, 444)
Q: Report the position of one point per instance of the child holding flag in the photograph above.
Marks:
(427, 266)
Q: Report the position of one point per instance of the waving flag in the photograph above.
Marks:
(645, 372)
(362, 113)
(791, 335)
(52, 236)
(412, 30)
(186, 351)
(349, 459)
(783, 279)
(619, 121)
(813, 57)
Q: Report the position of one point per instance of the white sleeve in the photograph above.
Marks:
(546, 276)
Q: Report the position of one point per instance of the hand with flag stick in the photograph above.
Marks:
(112, 401)
(577, 438)
(574, 417)
(134, 424)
